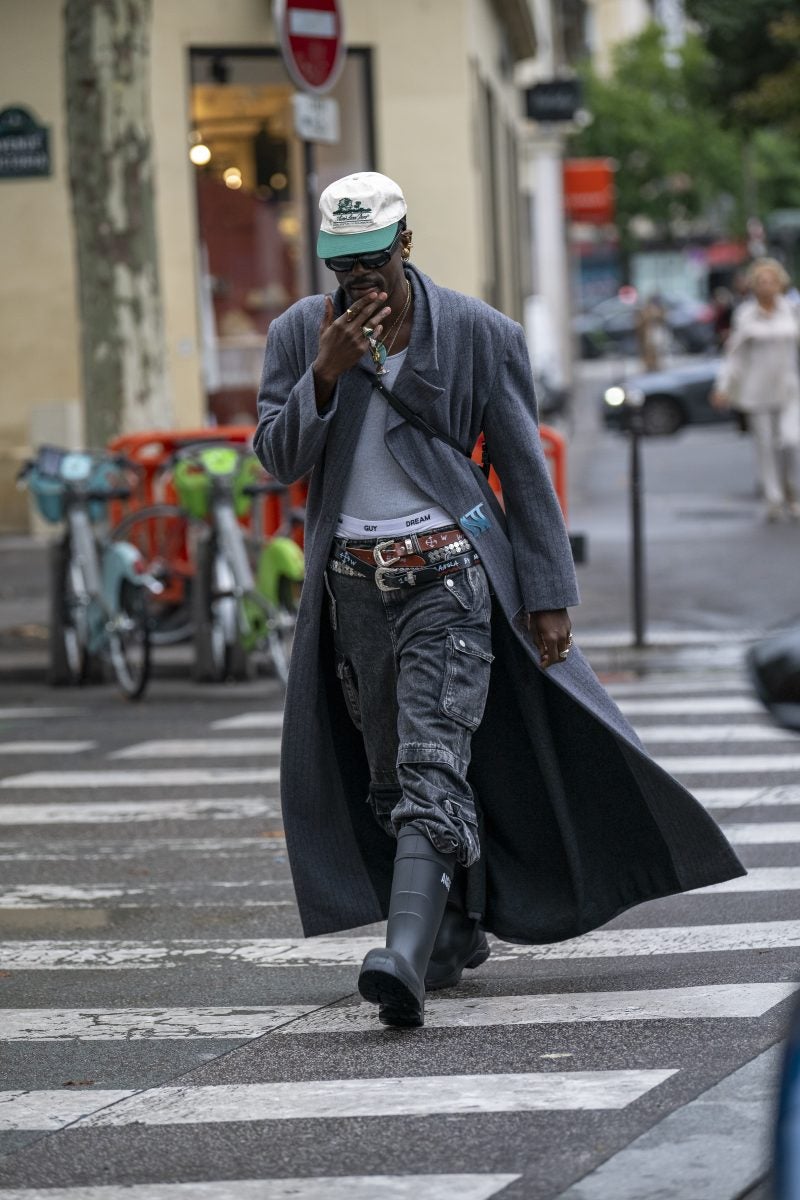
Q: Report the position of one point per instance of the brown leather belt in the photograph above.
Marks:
(411, 550)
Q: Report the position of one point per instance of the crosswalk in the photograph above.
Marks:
(220, 1019)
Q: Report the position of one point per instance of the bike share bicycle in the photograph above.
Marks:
(97, 587)
(239, 591)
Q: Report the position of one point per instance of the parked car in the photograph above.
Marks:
(610, 326)
(667, 399)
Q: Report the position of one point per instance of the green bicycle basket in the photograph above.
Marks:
(192, 479)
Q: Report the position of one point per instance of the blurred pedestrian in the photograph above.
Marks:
(433, 672)
(760, 378)
(653, 334)
(723, 305)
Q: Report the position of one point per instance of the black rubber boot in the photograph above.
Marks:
(460, 943)
(394, 977)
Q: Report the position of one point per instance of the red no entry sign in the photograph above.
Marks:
(312, 40)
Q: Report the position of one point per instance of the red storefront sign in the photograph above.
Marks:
(589, 190)
(312, 40)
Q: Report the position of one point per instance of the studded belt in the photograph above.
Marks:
(391, 578)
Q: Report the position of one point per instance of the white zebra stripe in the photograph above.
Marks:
(757, 879)
(747, 797)
(691, 706)
(704, 1002)
(332, 1187)
(165, 777)
(77, 850)
(44, 747)
(691, 734)
(120, 812)
(204, 748)
(326, 1099)
(120, 954)
(36, 714)
(150, 895)
(733, 764)
(765, 833)
(250, 720)
(660, 686)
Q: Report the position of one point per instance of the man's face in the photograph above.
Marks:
(360, 280)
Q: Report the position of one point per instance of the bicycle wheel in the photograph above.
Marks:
(129, 641)
(275, 626)
(69, 658)
(166, 538)
(217, 650)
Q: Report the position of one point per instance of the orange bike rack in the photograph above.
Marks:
(555, 449)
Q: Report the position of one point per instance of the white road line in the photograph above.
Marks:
(691, 706)
(766, 833)
(120, 812)
(757, 879)
(555, 1091)
(206, 748)
(706, 1002)
(747, 797)
(733, 764)
(713, 1148)
(22, 713)
(150, 895)
(66, 850)
(45, 747)
(116, 955)
(659, 686)
(332, 1187)
(690, 734)
(166, 777)
(251, 720)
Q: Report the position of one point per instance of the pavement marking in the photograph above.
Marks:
(119, 812)
(207, 748)
(332, 1187)
(548, 1091)
(688, 734)
(46, 747)
(144, 895)
(661, 686)
(712, 1001)
(66, 850)
(166, 777)
(747, 797)
(757, 879)
(692, 706)
(765, 833)
(21, 713)
(713, 1148)
(251, 720)
(734, 764)
(331, 950)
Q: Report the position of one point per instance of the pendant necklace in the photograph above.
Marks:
(380, 350)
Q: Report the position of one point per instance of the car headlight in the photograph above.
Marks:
(614, 396)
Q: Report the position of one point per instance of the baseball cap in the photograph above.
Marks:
(360, 213)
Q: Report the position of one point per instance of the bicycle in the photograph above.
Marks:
(239, 592)
(97, 588)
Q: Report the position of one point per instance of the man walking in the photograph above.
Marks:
(433, 672)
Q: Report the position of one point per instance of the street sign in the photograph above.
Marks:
(312, 41)
(554, 100)
(316, 118)
(24, 145)
(589, 190)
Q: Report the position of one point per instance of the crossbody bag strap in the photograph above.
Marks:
(419, 422)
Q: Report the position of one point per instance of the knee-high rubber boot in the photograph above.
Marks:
(394, 977)
(459, 943)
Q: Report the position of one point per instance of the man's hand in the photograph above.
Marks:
(342, 341)
(720, 399)
(551, 630)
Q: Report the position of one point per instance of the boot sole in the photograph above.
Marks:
(386, 981)
(435, 984)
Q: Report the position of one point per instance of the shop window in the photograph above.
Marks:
(256, 219)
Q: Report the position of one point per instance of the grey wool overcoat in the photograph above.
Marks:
(578, 823)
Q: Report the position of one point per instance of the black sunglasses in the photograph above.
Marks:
(370, 261)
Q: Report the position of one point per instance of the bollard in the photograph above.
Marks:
(638, 590)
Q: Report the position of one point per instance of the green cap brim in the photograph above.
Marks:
(331, 245)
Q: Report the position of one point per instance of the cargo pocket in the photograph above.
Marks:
(349, 689)
(468, 664)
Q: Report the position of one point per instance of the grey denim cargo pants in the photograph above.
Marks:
(414, 666)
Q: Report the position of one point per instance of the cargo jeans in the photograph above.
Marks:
(414, 665)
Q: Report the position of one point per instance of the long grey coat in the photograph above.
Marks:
(578, 822)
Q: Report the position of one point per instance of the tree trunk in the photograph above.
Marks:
(107, 73)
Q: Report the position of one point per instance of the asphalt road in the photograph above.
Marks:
(163, 1023)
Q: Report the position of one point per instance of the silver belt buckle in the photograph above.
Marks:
(377, 554)
(380, 580)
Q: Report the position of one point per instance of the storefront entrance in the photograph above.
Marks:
(254, 218)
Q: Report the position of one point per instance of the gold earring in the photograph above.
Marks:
(405, 253)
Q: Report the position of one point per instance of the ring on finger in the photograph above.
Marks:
(349, 314)
(367, 331)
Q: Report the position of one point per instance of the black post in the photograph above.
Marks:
(637, 531)
(312, 221)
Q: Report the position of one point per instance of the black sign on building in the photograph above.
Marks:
(24, 145)
(555, 100)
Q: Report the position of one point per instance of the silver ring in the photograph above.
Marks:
(367, 331)
(564, 653)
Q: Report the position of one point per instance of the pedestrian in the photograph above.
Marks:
(433, 673)
(760, 378)
(652, 333)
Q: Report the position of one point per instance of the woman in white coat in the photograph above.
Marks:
(761, 378)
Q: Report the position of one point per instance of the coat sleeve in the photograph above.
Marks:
(291, 434)
(729, 378)
(536, 528)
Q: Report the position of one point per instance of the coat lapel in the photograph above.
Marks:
(419, 381)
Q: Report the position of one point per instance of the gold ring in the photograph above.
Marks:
(349, 314)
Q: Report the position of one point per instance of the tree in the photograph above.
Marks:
(113, 202)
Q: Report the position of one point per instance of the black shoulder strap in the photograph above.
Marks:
(419, 422)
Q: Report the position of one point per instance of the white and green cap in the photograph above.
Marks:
(360, 213)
